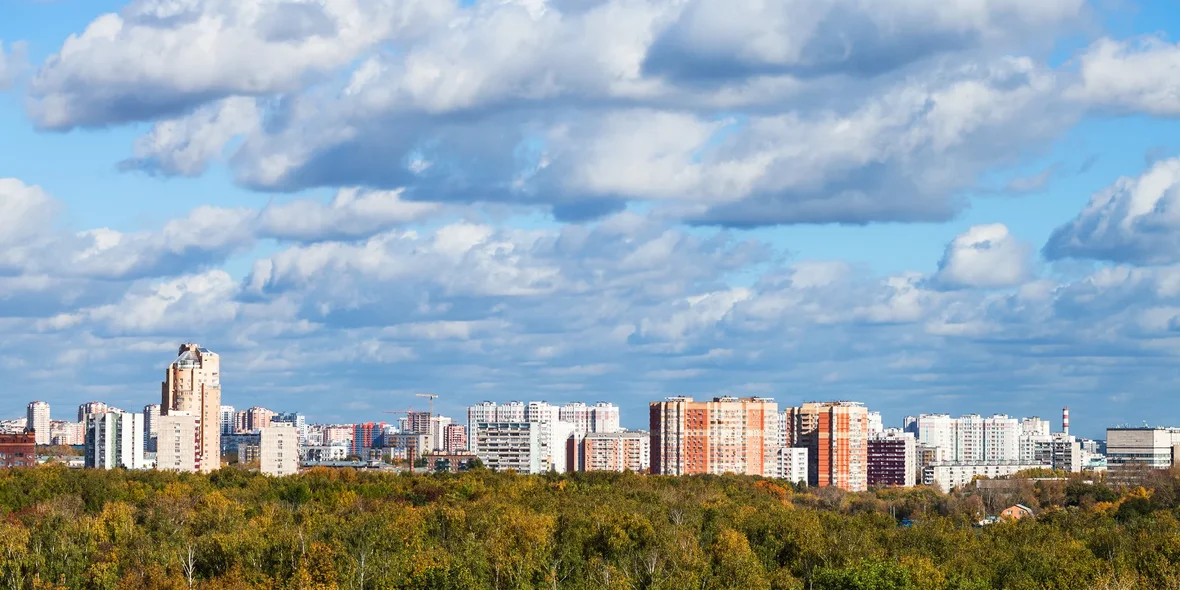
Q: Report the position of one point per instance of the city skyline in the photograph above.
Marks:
(921, 205)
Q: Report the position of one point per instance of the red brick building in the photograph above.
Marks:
(18, 450)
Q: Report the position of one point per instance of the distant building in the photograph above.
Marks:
(725, 435)
(114, 440)
(67, 433)
(88, 408)
(319, 453)
(1132, 449)
(258, 418)
(948, 476)
(509, 445)
(792, 464)
(334, 433)
(18, 450)
(971, 438)
(836, 437)
(227, 417)
(151, 426)
(177, 447)
(1016, 512)
(614, 451)
(365, 436)
(601, 417)
(455, 439)
(192, 386)
(38, 422)
(279, 451)
(892, 459)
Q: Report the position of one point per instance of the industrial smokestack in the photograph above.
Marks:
(1065, 420)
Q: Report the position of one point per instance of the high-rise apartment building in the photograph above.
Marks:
(278, 450)
(970, 439)
(725, 435)
(364, 437)
(37, 421)
(455, 439)
(227, 418)
(893, 459)
(151, 426)
(836, 437)
(792, 464)
(601, 417)
(437, 431)
(88, 408)
(178, 442)
(509, 445)
(192, 384)
(258, 418)
(67, 433)
(615, 451)
(114, 440)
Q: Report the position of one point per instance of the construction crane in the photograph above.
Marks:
(431, 397)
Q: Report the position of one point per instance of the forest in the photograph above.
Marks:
(343, 529)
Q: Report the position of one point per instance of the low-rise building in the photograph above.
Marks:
(948, 476)
(18, 450)
(1132, 449)
(320, 453)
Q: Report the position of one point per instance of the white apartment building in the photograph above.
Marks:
(114, 439)
(948, 476)
(875, 425)
(792, 464)
(601, 417)
(67, 433)
(176, 443)
(969, 439)
(1034, 426)
(278, 450)
(227, 416)
(332, 452)
(438, 432)
(508, 445)
(37, 420)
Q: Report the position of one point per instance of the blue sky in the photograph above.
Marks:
(922, 205)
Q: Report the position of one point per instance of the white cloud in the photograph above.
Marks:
(1136, 219)
(985, 257)
(1141, 75)
(352, 213)
(162, 57)
(12, 63)
(28, 212)
(185, 146)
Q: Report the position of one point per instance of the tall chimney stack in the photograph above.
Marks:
(1065, 420)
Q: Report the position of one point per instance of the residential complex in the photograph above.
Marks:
(178, 441)
(835, 435)
(192, 385)
(792, 464)
(892, 459)
(725, 435)
(18, 450)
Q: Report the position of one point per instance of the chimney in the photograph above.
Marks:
(1065, 420)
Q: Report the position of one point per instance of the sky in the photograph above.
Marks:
(960, 206)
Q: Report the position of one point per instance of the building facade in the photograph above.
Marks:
(892, 459)
(725, 435)
(947, 476)
(18, 450)
(365, 436)
(151, 425)
(455, 439)
(67, 433)
(278, 451)
(1133, 449)
(227, 418)
(836, 437)
(114, 440)
(971, 438)
(177, 442)
(792, 464)
(509, 445)
(615, 451)
(88, 408)
(37, 421)
(192, 385)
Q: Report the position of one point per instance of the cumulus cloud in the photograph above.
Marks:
(1141, 75)
(12, 63)
(185, 146)
(985, 257)
(159, 58)
(712, 39)
(352, 213)
(1136, 220)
